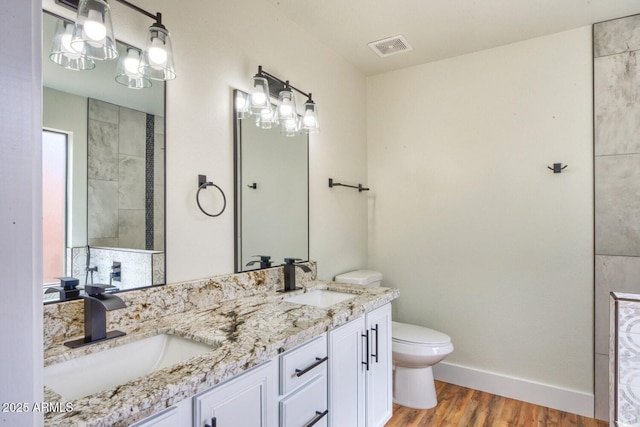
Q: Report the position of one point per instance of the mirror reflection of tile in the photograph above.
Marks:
(125, 190)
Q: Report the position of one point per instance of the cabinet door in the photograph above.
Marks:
(379, 379)
(248, 400)
(347, 375)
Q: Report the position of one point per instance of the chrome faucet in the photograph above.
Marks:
(96, 305)
(290, 273)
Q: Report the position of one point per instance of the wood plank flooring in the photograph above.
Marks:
(464, 407)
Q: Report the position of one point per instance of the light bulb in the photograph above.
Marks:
(132, 62)
(265, 114)
(94, 27)
(258, 98)
(309, 119)
(285, 109)
(241, 102)
(65, 41)
(157, 53)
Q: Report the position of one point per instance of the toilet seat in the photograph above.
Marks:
(403, 333)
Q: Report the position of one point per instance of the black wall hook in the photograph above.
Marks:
(557, 167)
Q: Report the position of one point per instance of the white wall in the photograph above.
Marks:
(20, 211)
(484, 242)
(218, 47)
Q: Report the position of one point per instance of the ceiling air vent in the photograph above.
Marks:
(390, 46)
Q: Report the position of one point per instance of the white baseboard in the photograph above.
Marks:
(565, 400)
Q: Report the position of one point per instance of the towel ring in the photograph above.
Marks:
(224, 199)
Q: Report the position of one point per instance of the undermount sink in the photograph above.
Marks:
(95, 372)
(320, 298)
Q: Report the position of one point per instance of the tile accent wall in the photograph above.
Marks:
(125, 184)
(616, 68)
(625, 360)
(138, 268)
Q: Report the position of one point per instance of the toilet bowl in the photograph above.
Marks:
(415, 350)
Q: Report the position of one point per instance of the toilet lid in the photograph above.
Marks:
(418, 334)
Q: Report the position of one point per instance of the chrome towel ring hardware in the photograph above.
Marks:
(202, 184)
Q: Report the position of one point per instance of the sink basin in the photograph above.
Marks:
(99, 371)
(320, 298)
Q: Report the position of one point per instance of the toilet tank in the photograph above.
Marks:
(360, 277)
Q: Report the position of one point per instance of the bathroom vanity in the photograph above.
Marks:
(272, 361)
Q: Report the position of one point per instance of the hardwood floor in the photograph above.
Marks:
(464, 407)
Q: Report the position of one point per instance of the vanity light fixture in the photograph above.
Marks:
(264, 85)
(128, 73)
(93, 33)
(61, 51)
(93, 39)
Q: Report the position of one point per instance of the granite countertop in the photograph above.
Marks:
(243, 332)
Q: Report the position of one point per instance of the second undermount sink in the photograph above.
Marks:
(95, 372)
(320, 298)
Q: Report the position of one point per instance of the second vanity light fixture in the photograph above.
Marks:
(257, 103)
(78, 45)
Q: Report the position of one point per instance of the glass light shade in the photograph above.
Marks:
(93, 35)
(289, 127)
(127, 73)
(266, 119)
(62, 53)
(242, 105)
(157, 58)
(287, 107)
(309, 122)
(259, 94)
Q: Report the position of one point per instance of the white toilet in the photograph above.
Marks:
(415, 350)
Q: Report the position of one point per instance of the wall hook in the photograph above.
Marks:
(557, 167)
(253, 185)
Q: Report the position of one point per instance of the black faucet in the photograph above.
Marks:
(265, 261)
(290, 273)
(67, 289)
(96, 305)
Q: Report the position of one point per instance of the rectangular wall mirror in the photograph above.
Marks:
(272, 194)
(103, 175)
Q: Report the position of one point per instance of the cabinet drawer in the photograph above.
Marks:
(302, 364)
(306, 405)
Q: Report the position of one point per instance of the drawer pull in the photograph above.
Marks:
(366, 346)
(214, 422)
(319, 361)
(319, 416)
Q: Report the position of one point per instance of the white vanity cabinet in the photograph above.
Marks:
(360, 382)
(338, 379)
(246, 400)
(303, 385)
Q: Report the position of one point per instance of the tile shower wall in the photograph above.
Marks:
(617, 179)
(125, 177)
(137, 267)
